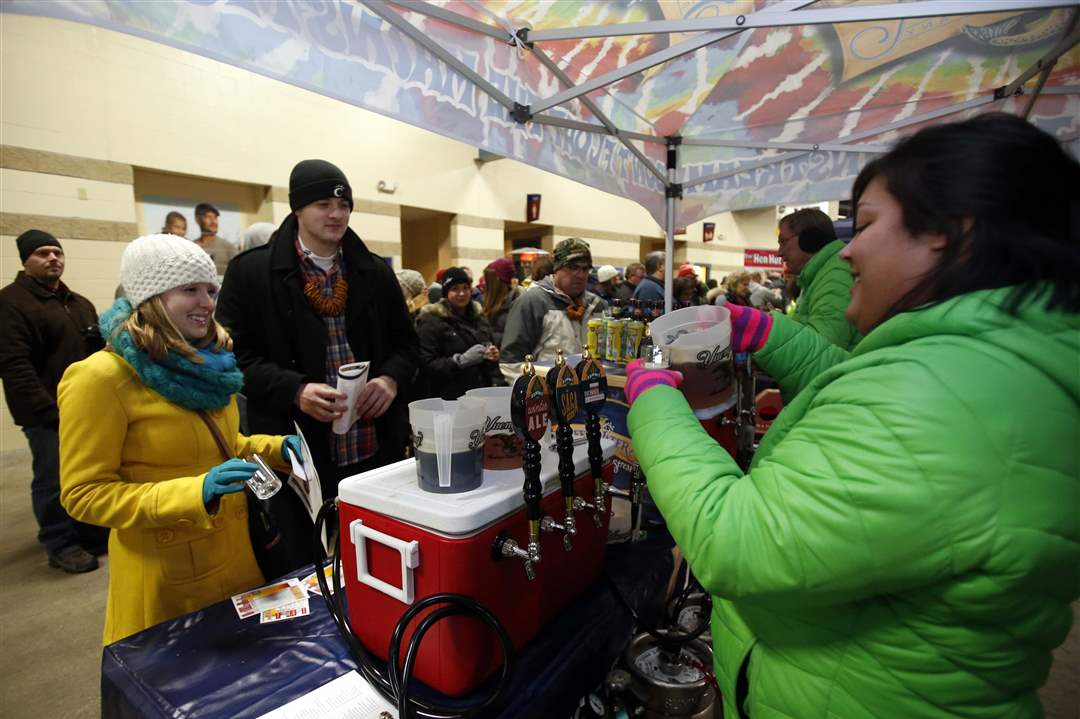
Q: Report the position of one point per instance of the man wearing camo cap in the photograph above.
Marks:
(554, 312)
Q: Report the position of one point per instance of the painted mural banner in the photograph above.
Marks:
(772, 109)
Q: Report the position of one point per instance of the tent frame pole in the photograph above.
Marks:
(651, 60)
(808, 146)
(913, 120)
(554, 68)
(1047, 61)
(1050, 60)
(674, 191)
(774, 17)
(380, 8)
(438, 12)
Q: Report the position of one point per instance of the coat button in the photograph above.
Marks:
(183, 523)
(164, 536)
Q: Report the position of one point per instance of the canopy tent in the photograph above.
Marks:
(688, 107)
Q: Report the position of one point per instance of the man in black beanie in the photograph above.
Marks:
(46, 327)
(313, 299)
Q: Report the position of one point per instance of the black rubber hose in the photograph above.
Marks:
(459, 604)
(667, 638)
(395, 688)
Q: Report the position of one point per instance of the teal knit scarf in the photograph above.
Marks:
(209, 385)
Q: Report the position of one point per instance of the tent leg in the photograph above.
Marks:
(669, 253)
(672, 191)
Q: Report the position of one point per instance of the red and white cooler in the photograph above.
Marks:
(401, 544)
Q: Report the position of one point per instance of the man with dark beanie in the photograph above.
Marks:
(313, 299)
(46, 327)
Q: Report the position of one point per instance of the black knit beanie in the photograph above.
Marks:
(313, 180)
(30, 240)
(454, 276)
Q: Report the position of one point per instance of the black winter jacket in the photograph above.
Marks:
(444, 334)
(43, 332)
(280, 341)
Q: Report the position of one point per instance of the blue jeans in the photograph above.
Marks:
(56, 529)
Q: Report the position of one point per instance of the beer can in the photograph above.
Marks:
(596, 337)
(633, 331)
(613, 346)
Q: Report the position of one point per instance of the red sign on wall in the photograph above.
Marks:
(769, 259)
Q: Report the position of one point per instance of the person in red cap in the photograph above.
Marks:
(688, 272)
(500, 291)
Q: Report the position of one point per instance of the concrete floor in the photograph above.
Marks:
(50, 631)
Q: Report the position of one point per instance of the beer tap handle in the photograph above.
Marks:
(529, 415)
(564, 438)
(637, 485)
(532, 491)
(563, 384)
(596, 464)
(593, 384)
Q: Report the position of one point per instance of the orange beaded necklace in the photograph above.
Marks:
(332, 306)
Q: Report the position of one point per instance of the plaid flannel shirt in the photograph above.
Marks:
(360, 442)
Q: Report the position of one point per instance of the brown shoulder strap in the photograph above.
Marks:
(216, 431)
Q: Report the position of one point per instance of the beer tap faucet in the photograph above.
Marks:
(593, 383)
(563, 384)
(529, 415)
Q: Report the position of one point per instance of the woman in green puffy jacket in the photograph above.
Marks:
(906, 542)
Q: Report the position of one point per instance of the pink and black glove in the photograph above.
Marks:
(639, 379)
(749, 328)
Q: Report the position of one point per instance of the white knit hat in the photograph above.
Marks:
(605, 273)
(154, 264)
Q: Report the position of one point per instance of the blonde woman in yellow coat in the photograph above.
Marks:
(135, 455)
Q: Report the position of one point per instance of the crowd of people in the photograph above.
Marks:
(905, 542)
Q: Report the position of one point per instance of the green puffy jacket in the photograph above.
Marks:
(826, 292)
(907, 541)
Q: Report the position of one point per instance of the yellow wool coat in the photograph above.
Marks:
(135, 462)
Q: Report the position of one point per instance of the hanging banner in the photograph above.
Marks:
(769, 259)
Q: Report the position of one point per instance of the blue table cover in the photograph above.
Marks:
(212, 664)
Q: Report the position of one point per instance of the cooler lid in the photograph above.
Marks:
(393, 491)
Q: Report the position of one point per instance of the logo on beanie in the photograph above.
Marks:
(339, 190)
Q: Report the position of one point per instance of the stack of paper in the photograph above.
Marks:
(286, 599)
(274, 602)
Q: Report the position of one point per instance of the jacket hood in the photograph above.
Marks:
(548, 285)
(1044, 339)
(441, 309)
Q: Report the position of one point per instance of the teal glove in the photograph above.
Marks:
(291, 444)
(226, 478)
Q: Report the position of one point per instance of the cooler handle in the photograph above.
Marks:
(410, 559)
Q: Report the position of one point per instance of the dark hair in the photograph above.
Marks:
(808, 218)
(204, 208)
(684, 284)
(632, 268)
(653, 261)
(496, 293)
(542, 266)
(174, 215)
(1005, 195)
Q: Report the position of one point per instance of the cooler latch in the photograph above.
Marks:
(410, 560)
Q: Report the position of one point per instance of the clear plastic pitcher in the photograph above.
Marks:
(502, 446)
(697, 341)
(449, 441)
